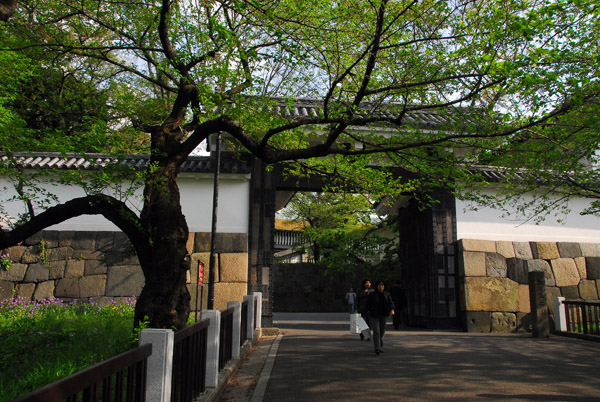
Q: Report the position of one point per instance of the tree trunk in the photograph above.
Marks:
(7, 9)
(164, 301)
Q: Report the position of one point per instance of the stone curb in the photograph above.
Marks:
(263, 380)
(212, 394)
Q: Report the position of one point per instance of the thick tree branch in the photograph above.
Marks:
(112, 209)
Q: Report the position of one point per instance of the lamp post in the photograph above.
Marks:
(213, 232)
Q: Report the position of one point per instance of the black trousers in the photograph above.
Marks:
(378, 324)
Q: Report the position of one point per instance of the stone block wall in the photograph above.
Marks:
(82, 265)
(494, 292)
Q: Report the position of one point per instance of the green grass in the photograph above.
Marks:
(41, 342)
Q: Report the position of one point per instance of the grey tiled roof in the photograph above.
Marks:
(57, 161)
(424, 118)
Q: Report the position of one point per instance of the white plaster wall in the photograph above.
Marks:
(196, 200)
(490, 224)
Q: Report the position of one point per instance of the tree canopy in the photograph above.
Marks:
(427, 88)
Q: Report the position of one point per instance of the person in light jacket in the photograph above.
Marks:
(380, 306)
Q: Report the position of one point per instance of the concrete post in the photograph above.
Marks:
(237, 328)
(212, 350)
(160, 363)
(258, 295)
(540, 326)
(560, 314)
(250, 320)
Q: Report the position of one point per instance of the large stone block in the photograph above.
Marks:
(552, 292)
(588, 289)
(592, 265)
(105, 241)
(37, 273)
(59, 253)
(56, 270)
(523, 323)
(44, 290)
(543, 266)
(544, 250)
(505, 249)
(233, 267)
(74, 268)
(472, 264)
(65, 237)
(486, 246)
(203, 258)
(202, 296)
(15, 253)
(224, 242)
(491, 294)
(590, 249)
(25, 290)
(581, 267)
(226, 292)
(569, 250)
(6, 289)
(16, 273)
(50, 238)
(120, 252)
(522, 250)
(232, 243)
(495, 265)
(95, 267)
(90, 286)
(503, 322)
(88, 255)
(478, 321)
(565, 272)
(68, 287)
(517, 270)
(524, 302)
(570, 292)
(32, 255)
(127, 280)
(84, 241)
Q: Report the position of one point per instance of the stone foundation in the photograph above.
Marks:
(82, 265)
(494, 293)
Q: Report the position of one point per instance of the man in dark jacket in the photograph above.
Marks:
(380, 305)
(397, 294)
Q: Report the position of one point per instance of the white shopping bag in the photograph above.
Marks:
(353, 327)
(361, 324)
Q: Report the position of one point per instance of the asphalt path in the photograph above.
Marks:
(317, 359)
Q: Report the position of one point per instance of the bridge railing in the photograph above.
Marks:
(119, 378)
(577, 318)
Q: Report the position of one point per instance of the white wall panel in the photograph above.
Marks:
(196, 200)
(490, 224)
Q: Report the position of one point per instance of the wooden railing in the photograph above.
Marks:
(189, 362)
(124, 377)
(583, 317)
(225, 337)
(121, 378)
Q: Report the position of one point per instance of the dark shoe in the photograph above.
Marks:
(362, 337)
(377, 352)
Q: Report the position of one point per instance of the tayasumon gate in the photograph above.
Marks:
(428, 262)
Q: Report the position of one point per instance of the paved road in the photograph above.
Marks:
(317, 359)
